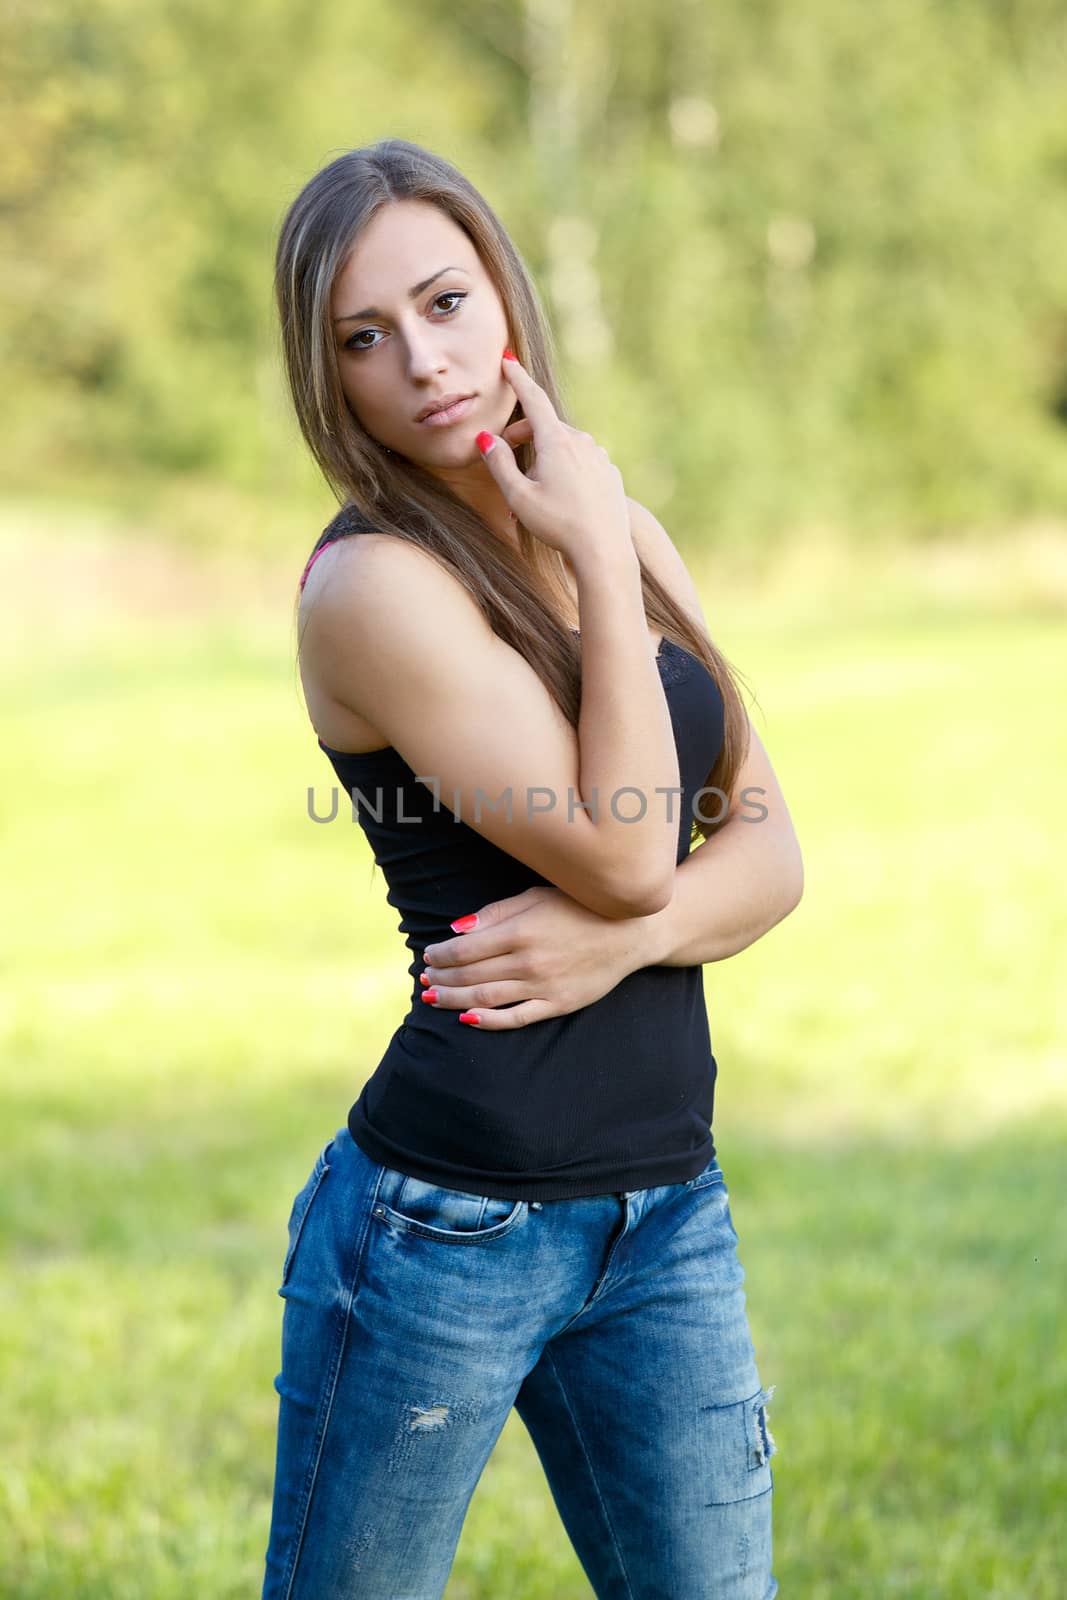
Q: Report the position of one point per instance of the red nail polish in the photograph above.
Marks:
(464, 924)
(509, 355)
(469, 1016)
(423, 979)
(485, 442)
(429, 995)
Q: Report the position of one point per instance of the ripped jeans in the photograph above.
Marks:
(417, 1316)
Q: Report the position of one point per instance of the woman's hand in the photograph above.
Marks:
(574, 493)
(540, 948)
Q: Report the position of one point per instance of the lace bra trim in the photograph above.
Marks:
(674, 663)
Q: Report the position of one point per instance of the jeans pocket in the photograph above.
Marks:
(712, 1173)
(301, 1207)
(448, 1215)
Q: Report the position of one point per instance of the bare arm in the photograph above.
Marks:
(737, 885)
(749, 875)
(574, 500)
(391, 634)
(625, 734)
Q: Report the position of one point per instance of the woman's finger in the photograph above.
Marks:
(490, 1021)
(540, 411)
(460, 997)
(518, 490)
(517, 433)
(484, 969)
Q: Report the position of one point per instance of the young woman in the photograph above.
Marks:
(507, 665)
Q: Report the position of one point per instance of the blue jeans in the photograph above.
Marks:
(417, 1316)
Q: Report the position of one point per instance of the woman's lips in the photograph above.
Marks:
(441, 419)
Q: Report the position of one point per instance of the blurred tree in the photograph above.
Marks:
(803, 263)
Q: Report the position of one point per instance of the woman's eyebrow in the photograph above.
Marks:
(372, 311)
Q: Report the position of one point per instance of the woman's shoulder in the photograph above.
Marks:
(383, 594)
(348, 522)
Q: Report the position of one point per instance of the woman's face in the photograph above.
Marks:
(397, 351)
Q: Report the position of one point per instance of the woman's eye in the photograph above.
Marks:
(446, 294)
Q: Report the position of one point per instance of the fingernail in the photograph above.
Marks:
(423, 979)
(485, 442)
(469, 1016)
(429, 995)
(464, 924)
(509, 355)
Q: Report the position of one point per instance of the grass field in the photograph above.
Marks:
(197, 980)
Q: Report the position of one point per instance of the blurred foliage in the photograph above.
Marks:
(805, 262)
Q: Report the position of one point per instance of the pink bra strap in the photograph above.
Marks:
(315, 554)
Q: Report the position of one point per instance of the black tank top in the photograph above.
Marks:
(618, 1095)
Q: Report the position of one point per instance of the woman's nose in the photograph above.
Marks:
(423, 360)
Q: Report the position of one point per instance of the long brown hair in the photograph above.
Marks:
(522, 593)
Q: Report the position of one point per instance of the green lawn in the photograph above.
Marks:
(198, 979)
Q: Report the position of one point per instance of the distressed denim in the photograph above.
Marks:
(417, 1316)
